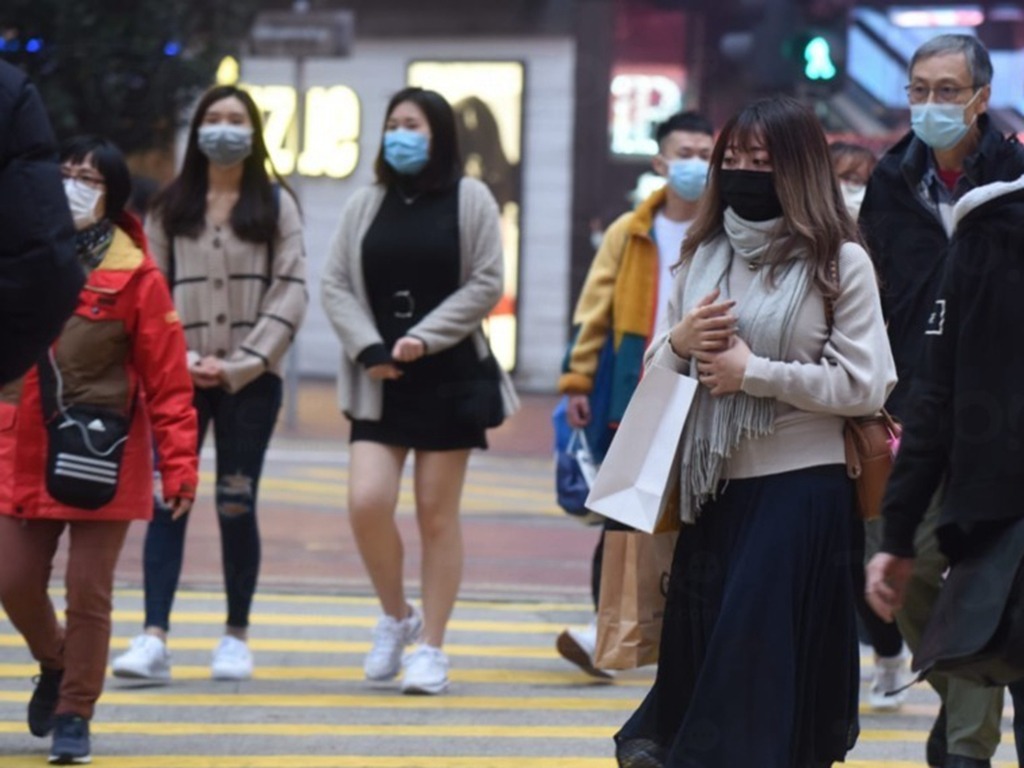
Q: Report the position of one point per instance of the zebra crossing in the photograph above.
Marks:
(513, 701)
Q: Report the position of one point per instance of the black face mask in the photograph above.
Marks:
(750, 193)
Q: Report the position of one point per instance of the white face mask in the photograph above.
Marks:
(853, 196)
(83, 201)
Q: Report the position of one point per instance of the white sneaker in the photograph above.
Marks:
(231, 660)
(426, 670)
(890, 674)
(577, 646)
(147, 658)
(390, 637)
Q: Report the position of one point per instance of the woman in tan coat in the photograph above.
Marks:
(229, 240)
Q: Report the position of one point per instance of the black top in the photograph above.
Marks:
(411, 264)
(964, 416)
(40, 276)
(908, 242)
(411, 258)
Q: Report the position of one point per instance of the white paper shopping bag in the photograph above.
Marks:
(631, 482)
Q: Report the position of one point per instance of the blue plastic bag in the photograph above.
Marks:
(574, 467)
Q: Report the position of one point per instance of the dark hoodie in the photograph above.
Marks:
(40, 276)
(964, 416)
(908, 242)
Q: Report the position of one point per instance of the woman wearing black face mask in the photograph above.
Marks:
(759, 651)
(229, 240)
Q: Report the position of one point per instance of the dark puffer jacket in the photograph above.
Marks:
(909, 243)
(40, 276)
(965, 412)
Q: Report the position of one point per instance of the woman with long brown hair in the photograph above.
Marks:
(228, 235)
(759, 650)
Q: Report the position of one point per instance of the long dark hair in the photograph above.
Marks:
(182, 205)
(814, 215)
(444, 168)
(107, 158)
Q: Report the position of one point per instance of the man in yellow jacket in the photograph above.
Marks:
(621, 304)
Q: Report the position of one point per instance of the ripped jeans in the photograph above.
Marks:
(242, 424)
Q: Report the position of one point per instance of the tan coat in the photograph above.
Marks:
(348, 308)
(227, 307)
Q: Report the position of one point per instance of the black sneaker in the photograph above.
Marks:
(70, 741)
(44, 701)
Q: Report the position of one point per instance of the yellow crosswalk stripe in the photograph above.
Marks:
(367, 622)
(323, 646)
(372, 699)
(396, 730)
(184, 596)
(355, 674)
(339, 761)
(391, 730)
(397, 761)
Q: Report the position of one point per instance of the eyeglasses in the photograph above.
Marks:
(944, 94)
(90, 179)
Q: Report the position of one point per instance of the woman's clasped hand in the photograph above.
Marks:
(708, 333)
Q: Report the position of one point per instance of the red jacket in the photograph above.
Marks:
(124, 341)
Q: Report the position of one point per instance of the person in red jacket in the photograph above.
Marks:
(76, 447)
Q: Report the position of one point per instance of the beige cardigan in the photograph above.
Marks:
(348, 308)
(220, 291)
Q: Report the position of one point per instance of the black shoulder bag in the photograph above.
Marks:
(85, 444)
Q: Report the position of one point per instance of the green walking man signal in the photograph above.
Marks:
(818, 64)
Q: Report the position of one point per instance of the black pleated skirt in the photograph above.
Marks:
(759, 656)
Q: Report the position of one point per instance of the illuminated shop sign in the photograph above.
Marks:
(487, 97)
(330, 141)
(641, 97)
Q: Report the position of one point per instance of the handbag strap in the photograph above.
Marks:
(50, 386)
(830, 302)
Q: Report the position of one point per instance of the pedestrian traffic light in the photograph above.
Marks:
(819, 58)
(817, 49)
(818, 62)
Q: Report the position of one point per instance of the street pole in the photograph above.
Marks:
(299, 34)
(291, 372)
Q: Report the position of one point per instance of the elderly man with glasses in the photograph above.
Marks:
(907, 219)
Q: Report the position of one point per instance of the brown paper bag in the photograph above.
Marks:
(634, 582)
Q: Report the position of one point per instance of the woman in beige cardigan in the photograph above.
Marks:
(414, 268)
(229, 239)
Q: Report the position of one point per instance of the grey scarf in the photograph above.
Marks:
(765, 316)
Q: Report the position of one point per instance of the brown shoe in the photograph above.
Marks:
(577, 646)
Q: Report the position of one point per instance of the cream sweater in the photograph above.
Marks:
(821, 379)
(347, 305)
(227, 307)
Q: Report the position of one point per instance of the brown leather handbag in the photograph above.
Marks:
(869, 457)
(870, 442)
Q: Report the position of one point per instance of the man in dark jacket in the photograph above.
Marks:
(40, 276)
(965, 411)
(907, 218)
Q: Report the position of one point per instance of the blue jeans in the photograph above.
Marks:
(243, 423)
